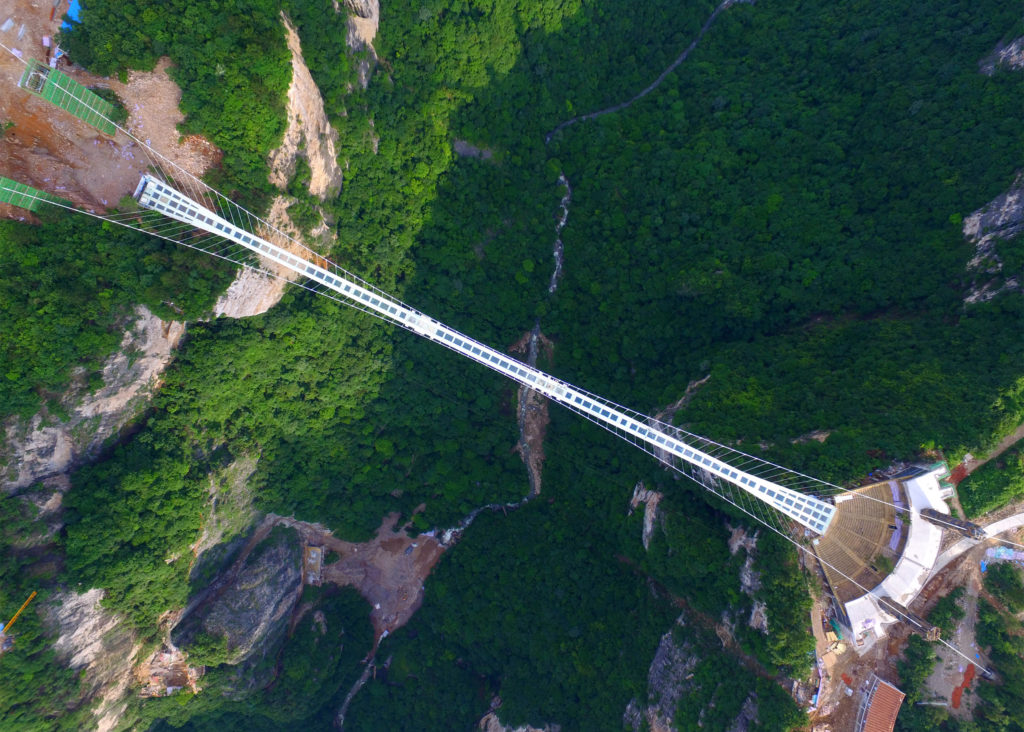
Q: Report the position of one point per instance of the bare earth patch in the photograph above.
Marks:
(49, 149)
(388, 571)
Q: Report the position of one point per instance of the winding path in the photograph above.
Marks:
(954, 551)
(654, 84)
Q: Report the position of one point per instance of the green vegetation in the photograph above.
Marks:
(947, 612)
(67, 291)
(559, 626)
(994, 484)
(782, 214)
(788, 647)
(207, 650)
(719, 692)
(1003, 580)
(1001, 701)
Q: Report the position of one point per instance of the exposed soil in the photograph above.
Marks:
(152, 100)
(49, 149)
(388, 571)
(164, 672)
(948, 673)
(309, 131)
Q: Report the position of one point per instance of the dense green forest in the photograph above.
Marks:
(994, 484)
(67, 290)
(783, 214)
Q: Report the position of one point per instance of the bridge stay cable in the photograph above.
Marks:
(205, 220)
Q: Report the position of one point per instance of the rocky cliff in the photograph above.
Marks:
(250, 605)
(48, 446)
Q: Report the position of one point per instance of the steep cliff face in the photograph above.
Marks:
(251, 293)
(666, 682)
(1008, 56)
(1000, 219)
(48, 446)
(310, 134)
(362, 29)
(308, 130)
(250, 607)
(96, 641)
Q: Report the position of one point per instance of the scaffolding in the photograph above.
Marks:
(61, 90)
(23, 196)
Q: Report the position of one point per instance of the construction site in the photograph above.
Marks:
(886, 552)
(894, 549)
(75, 157)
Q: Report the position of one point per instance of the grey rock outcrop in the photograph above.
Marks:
(1000, 219)
(364, 8)
(250, 606)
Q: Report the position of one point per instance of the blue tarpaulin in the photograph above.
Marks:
(74, 8)
(984, 565)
